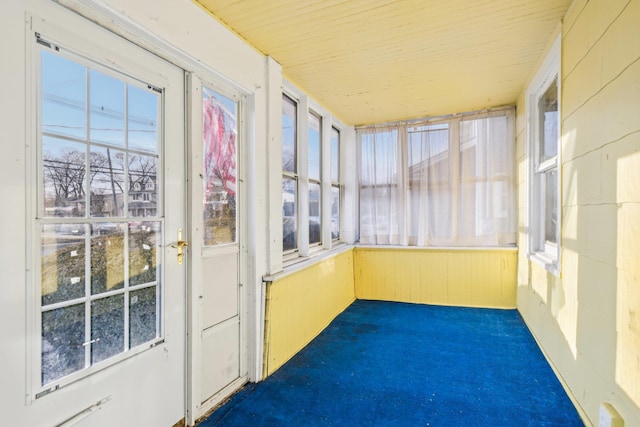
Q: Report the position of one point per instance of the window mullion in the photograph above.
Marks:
(303, 176)
(403, 185)
(87, 257)
(454, 177)
(87, 300)
(325, 186)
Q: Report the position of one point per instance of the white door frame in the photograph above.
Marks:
(195, 407)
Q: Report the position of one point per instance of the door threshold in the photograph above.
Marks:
(211, 404)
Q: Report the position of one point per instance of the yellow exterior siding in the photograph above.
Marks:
(459, 277)
(301, 304)
(588, 320)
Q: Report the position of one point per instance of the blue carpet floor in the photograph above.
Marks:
(393, 364)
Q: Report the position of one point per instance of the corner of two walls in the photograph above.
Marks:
(456, 277)
(302, 303)
(588, 320)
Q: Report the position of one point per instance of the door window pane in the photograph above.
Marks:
(106, 182)
(142, 119)
(144, 239)
(143, 185)
(63, 170)
(63, 352)
(62, 262)
(63, 96)
(106, 108)
(289, 214)
(143, 313)
(107, 257)
(219, 167)
(107, 327)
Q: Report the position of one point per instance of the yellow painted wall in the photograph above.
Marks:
(301, 304)
(588, 320)
(459, 277)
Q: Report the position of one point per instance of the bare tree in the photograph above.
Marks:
(65, 171)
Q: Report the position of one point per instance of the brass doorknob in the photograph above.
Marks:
(179, 245)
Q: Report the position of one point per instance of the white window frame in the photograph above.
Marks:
(295, 176)
(318, 182)
(306, 107)
(540, 251)
(336, 184)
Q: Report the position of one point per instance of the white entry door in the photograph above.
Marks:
(108, 296)
(217, 341)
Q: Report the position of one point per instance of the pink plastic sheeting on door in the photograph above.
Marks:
(219, 137)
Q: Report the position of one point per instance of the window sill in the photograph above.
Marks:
(506, 248)
(296, 264)
(545, 261)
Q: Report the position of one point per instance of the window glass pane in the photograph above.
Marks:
(428, 143)
(483, 159)
(142, 119)
(429, 156)
(439, 207)
(484, 151)
(314, 147)
(144, 239)
(289, 214)
(315, 218)
(335, 212)
(62, 342)
(551, 207)
(219, 158)
(289, 126)
(143, 189)
(63, 169)
(62, 262)
(335, 155)
(106, 181)
(424, 184)
(107, 327)
(143, 316)
(106, 109)
(379, 176)
(470, 209)
(548, 122)
(379, 157)
(107, 257)
(64, 94)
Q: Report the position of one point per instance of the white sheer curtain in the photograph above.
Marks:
(446, 182)
(382, 202)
